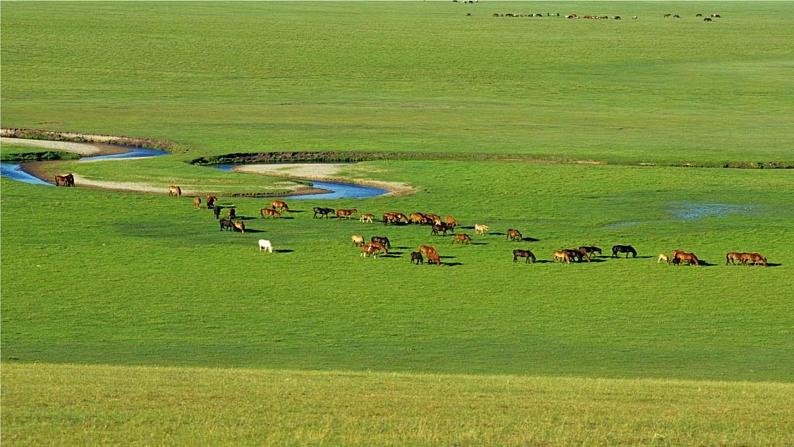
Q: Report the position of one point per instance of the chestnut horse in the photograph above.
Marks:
(174, 190)
(682, 256)
(734, 257)
(514, 235)
(64, 180)
(279, 205)
(367, 217)
(239, 225)
(197, 202)
(562, 256)
(434, 258)
(754, 259)
(269, 212)
(461, 238)
(345, 213)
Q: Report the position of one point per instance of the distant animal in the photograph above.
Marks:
(174, 190)
(561, 256)
(439, 227)
(211, 201)
(371, 250)
(265, 245)
(216, 210)
(226, 224)
(514, 235)
(754, 259)
(426, 249)
(667, 15)
(461, 238)
(481, 229)
(239, 225)
(579, 254)
(197, 202)
(434, 258)
(616, 17)
(416, 258)
(269, 212)
(707, 19)
(624, 249)
(367, 217)
(345, 214)
(322, 212)
(357, 239)
(232, 213)
(682, 256)
(64, 180)
(451, 222)
(590, 250)
(382, 240)
(698, 15)
(634, 17)
(734, 257)
(523, 254)
(279, 205)
(663, 257)
(394, 217)
(417, 218)
(676, 16)
(716, 16)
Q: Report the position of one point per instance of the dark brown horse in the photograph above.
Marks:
(624, 249)
(211, 201)
(416, 258)
(226, 224)
(680, 257)
(590, 250)
(216, 210)
(439, 227)
(232, 213)
(382, 240)
(523, 254)
(322, 212)
(64, 180)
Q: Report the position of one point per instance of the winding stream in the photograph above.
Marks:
(336, 190)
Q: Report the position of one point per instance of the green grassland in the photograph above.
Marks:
(112, 297)
(402, 76)
(16, 153)
(144, 405)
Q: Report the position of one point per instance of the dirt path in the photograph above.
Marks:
(323, 172)
(79, 180)
(66, 146)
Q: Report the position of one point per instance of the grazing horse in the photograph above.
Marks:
(662, 257)
(239, 225)
(322, 212)
(211, 201)
(174, 190)
(523, 254)
(197, 202)
(707, 19)
(578, 254)
(754, 259)
(345, 213)
(561, 256)
(382, 240)
(590, 250)
(434, 258)
(682, 256)
(427, 249)
(624, 249)
(417, 218)
(514, 235)
(481, 229)
(451, 221)
(216, 210)
(269, 212)
(416, 258)
(357, 239)
(439, 227)
(232, 213)
(279, 205)
(64, 180)
(461, 238)
(226, 224)
(734, 257)
(433, 218)
(265, 245)
(367, 217)
(371, 250)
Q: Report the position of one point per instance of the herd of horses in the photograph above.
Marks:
(708, 18)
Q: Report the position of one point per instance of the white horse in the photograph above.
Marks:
(663, 258)
(264, 244)
(481, 229)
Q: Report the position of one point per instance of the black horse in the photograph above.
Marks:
(624, 249)
(227, 224)
(382, 240)
(416, 258)
(440, 227)
(523, 254)
(216, 210)
(322, 212)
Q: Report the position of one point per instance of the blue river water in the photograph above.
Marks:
(337, 190)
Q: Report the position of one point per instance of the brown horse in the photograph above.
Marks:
(64, 180)
(340, 214)
(439, 227)
(417, 218)
(590, 250)
(579, 254)
(682, 256)
(561, 256)
(382, 240)
(426, 249)
(523, 254)
(279, 205)
(733, 257)
(367, 217)
(371, 250)
(239, 225)
(174, 190)
(514, 235)
(754, 259)
(357, 239)
(269, 212)
(211, 201)
(226, 224)
(451, 221)
(434, 258)
(461, 238)
(197, 202)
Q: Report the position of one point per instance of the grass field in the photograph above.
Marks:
(112, 301)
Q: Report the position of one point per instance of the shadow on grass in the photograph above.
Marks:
(451, 264)
(530, 239)
(283, 250)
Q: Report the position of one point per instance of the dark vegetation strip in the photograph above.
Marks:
(38, 156)
(342, 156)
